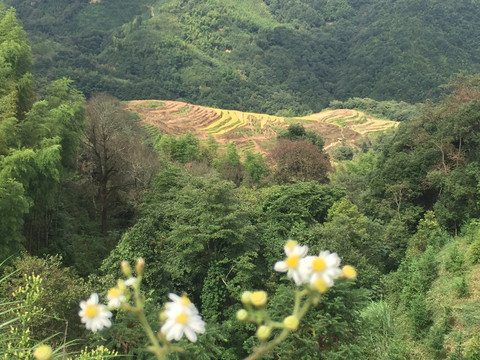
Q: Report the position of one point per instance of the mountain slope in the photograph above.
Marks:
(254, 131)
(281, 57)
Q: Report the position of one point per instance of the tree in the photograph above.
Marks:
(112, 153)
(188, 225)
(229, 165)
(15, 61)
(298, 132)
(299, 161)
(343, 152)
(255, 167)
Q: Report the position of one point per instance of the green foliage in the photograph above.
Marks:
(462, 288)
(475, 251)
(328, 329)
(456, 261)
(418, 274)
(265, 56)
(256, 168)
(346, 229)
(429, 233)
(13, 205)
(472, 348)
(380, 338)
(60, 290)
(16, 339)
(393, 110)
(188, 223)
(343, 152)
(15, 61)
(288, 210)
(436, 339)
(229, 165)
(185, 148)
(98, 353)
(420, 315)
(297, 132)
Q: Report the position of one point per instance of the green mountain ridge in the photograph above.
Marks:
(274, 56)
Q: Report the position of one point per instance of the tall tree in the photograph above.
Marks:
(299, 161)
(113, 150)
(15, 61)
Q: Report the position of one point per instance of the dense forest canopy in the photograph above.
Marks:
(274, 56)
(85, 186)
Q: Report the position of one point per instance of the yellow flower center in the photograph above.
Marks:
(182, 318)
(114, 293)
(291, 244)
(318, 264)
(292, 261)
(91, 311)
(320, 285)
(185, 300)
(258, 298)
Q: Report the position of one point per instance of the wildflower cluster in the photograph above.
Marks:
(18, 340)
(319, 271)
(180, 317)
(313, 275)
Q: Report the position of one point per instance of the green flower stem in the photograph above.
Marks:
(299, 310)
(305, 307)
(264, 349)
(156, 348)
(298, 300)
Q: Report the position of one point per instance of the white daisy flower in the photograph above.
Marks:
(95, 316)
(293, 264)
(183, 301)
(115, 297)
(182, 318)
(324, 269)
(327, 264)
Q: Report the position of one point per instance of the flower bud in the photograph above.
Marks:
(246, 297)
(140, 266)
(263, 332)
(126, 269)
(163, 317)
(43, 352)
(291, 322)
(242, 315)
(259, 298)
(349, 272)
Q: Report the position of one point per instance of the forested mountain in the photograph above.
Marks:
(269, 56)
(95, 204)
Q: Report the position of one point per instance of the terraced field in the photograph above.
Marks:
(353, 119)
(252, 131)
